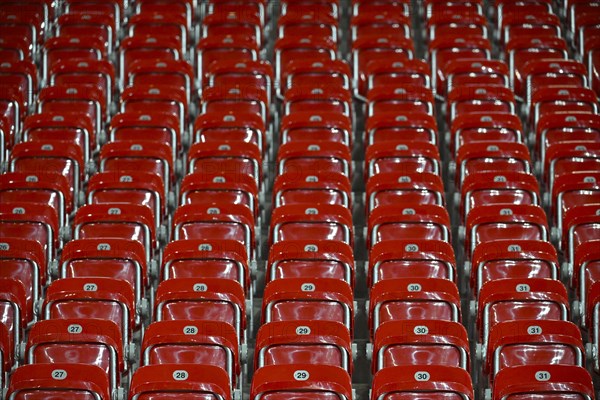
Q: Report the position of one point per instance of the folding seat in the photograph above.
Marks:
(580, 225)
(34, 221)
(130, 156)
(195, 382)
(512, 258)
(143, 127)
(487, 223)
(405, 157)
(94, 298)
(85, 100)
(318, 299)
(564, 127)
(553, 72)
(538, 343)
(400, 127)
(51, 189)
(444, 49)
(484, 157)
(236, 99)
(409, 382)
(169, 24)
(98, 73)
(304, 99)
(166, 99)
(389, 6)
(15, 313)
(508, 7)
(23, 260)
(59, 129)
(477, 99)
(565, 158)
(292, 48)
(199, 258)
(367, 49)
(420, 343)
(22, 76)
(304, 342)
(222, 23)
(59, 380)
(582, 275)
(215, 222)
(309, 258)
(311, 221)
(189, 342)
(528, 22)
(507, 187)
(106, 257)
(177, 73)
(129, 187)
(480, 127)
(27, 24)
(331, 7)
(398, 188)
(12, 108)
(225, 129)
(379, 23)
(202, 299)
(397, 73)
(554, 382)
(552, 99)
(404, 98)
(418, 299)
(62, 48)
(584, 25)
(433, 7)
(117, 221)
(424, 258)
(313, 126)
(308, 22)
(218, 49)
(408, 222)
(115, 9)
(530, 300)
(520, 50)
(306, 157)
(461, 72)
(188, 8)
(148, 48)
(253, 7)
(14, 47)
(571, 191)
(227, 188)
(88, 24)
(78, 341)
(252, 73)
(226, 157)
(450, 22)
(318, 382)
(308, 188)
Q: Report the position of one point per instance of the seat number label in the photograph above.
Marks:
(422, 376)
(534, 330)
(542, 376)
(90, 287)
(421, 330)
(59, 374)
(75, 328)
(200, 287)
(190, 330)
(523, 288)
(308, 287)
(301, 375)
(303, 330)
(414, 287)
(181, 375)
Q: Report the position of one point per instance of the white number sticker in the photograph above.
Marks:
(523, 288)
(301, 375)
(421, 330)
(542, 376)
(534, 330)
(200, 287)
(190, 330)
(90, 287)
(303, 330)
(181, 375)
(75, 328)
(308, 287)
(414, 287)
(422, 376)
(59, 374)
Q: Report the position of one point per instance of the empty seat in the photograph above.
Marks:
(319, 382)
(63, 380)
(303, 342)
